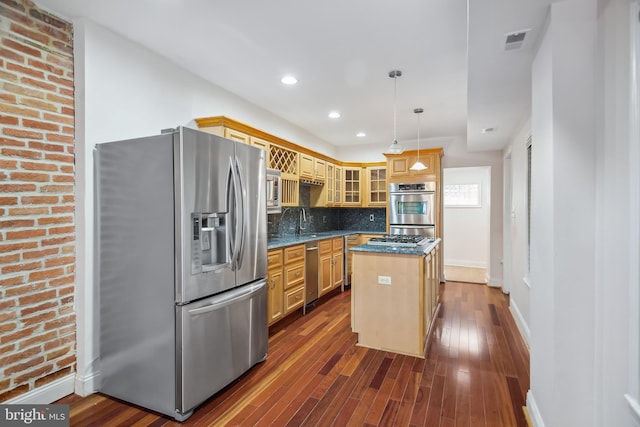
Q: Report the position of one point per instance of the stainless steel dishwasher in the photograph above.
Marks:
(311, 275)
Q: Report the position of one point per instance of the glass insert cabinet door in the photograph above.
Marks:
(377, 188)
(352, 181)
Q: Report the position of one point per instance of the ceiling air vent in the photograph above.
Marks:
(515, 40)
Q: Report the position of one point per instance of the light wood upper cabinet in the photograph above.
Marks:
(237, 136)
(330, 184)
(352, 186)
(376, 186)
(312, 168)
(338, 194)
(399, 165)
(320, 169)
(260, 143)
(306, 166)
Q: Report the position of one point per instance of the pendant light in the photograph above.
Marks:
(418, 165)
(394, 148)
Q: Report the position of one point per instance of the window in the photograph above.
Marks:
(462, 195)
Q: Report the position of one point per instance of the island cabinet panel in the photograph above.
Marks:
(394, 298)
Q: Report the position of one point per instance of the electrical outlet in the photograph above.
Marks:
(324, 219)
(384, 280)
(372, 218)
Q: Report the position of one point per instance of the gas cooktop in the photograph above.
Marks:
(406, 240)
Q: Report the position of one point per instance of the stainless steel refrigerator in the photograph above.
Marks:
(180, 267)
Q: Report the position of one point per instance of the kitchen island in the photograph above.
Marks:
(395, 296)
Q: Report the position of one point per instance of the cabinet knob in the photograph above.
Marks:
(297, 273)
(298, 297)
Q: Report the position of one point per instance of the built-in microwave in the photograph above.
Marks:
(274, 204)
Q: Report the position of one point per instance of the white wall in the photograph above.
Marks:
(563, 217)
(456, 155)
(467, 228)
(580, 318)
(516, 280)
(618, 190)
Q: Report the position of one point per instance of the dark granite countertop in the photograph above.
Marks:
(400, 250)
(288, 240)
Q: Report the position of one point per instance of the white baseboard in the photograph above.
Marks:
(46, 394)
(84, 386)
(534, 412)
(465, 263)
(520, 322)
(494, 283)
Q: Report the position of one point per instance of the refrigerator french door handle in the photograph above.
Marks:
(228, 298)
(231, 239)
(237, 215)
(242, 213)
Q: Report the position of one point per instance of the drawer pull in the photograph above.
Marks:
(298, 297)
(297, 273)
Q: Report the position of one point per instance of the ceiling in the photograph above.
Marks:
(342, 52)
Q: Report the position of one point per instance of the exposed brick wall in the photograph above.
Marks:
(37, 206)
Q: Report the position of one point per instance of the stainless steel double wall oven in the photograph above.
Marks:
(412, 208)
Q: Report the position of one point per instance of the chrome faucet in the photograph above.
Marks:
(301, 219)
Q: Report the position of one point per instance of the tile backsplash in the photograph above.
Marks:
(292, 220)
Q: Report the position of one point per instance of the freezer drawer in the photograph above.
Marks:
(221, 338)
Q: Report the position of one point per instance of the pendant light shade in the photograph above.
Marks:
(394, 148)
(418, 165)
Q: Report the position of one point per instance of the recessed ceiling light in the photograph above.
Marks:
(289, 80)
(334, 115)
(489, 130)
(361, 134)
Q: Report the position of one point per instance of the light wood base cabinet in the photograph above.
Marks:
(285, 281)
(293, 278)
(275, 287)
(331, 252)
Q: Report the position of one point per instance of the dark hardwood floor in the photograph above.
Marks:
(476, 373)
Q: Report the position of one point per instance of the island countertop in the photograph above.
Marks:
(400, 250)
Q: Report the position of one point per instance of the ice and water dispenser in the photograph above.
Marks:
(209, 242)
